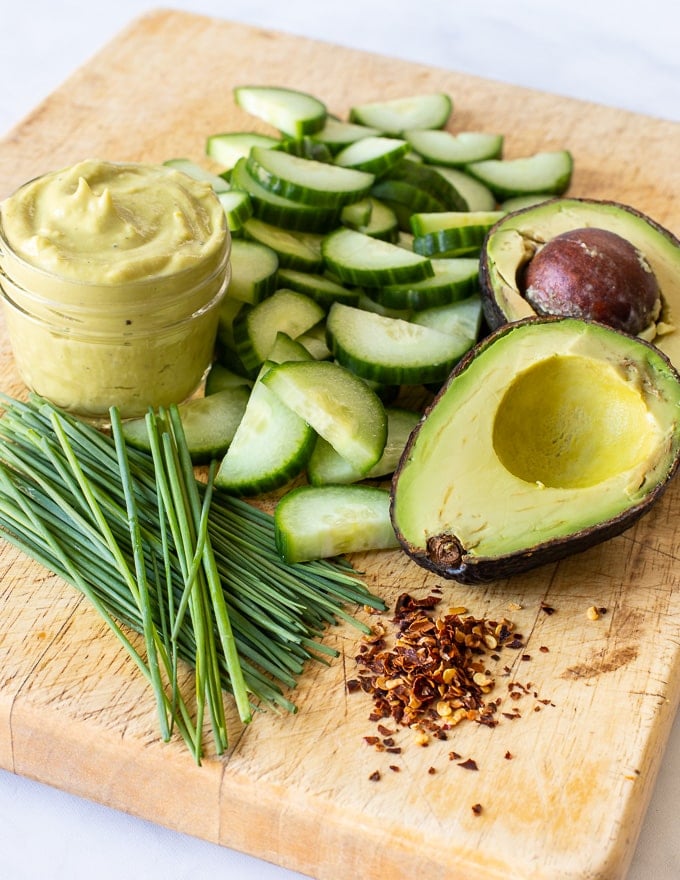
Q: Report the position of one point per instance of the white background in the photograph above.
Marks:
(620, 54)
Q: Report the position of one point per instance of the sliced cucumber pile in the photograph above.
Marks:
(354, 292)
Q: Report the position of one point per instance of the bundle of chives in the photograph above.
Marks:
(153, 548)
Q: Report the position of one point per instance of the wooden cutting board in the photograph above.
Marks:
(564, 789)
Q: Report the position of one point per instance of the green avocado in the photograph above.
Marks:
(516, 238)
(551, 435)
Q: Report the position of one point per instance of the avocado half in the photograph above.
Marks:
(514, 240)
(551, 435)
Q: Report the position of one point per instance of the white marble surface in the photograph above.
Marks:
(623, 55)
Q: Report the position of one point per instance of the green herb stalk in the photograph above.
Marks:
(193, 571)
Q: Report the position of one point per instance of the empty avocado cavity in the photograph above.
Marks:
(552, 435)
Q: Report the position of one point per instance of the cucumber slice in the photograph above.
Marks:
(452, 233)
(446, 148)
(295, 249)
(318, 522)
(398, 115)
(461, 320)
(256, 327)
(225, 345)
(370, 304)
(357, 258)
(405, 198)
(221, 378)
(209, 424)
(323, 290)
(254, 268)
(226, 148)
(389, 350)
(428, 179)
(280, 211)
(270, 448)
(337, 134)
(191, 169)
(383, 222)
(238, 207)
(314, 340)
(357, 214)
(229, 309)
(516, 203)
(292, 112)
(286, 348)
(307, 148)
(376, 155)
(546, 172)
(337, 404)
(307, 180)
(476, 195)
(326, 467)
(453, 279)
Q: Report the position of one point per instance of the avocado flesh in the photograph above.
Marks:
(514, 240)
(553, 434)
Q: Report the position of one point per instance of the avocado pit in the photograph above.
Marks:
(645, 256)
(594, 274)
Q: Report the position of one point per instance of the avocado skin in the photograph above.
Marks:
(446, 558)
(493, 313)
(476, 571)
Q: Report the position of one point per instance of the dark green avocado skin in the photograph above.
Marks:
(454, 564)
(493, 313)
(483, 570)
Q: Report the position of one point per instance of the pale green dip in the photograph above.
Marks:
(113, 273)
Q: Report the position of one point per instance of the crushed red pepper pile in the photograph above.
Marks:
(433, 673)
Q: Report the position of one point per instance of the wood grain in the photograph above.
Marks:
(296, 790)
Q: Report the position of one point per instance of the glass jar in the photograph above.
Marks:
(114, 310)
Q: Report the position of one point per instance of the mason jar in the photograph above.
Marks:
(111, 277)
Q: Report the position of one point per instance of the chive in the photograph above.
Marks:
(154, 549)
(140, 571)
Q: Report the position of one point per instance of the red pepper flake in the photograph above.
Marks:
(353, 686)
(512, 715)
(394, 768)
(548, 609)
(433, 675)
(453, 756)
(431, 771)
(526, 656)
(509, 756)
(469, 764)
(477, 809)
(375, 776)
(371, 740)
(544, 650)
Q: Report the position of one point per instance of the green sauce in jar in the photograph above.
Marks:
(111, 276)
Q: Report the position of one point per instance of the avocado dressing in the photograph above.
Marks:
(111, 276)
